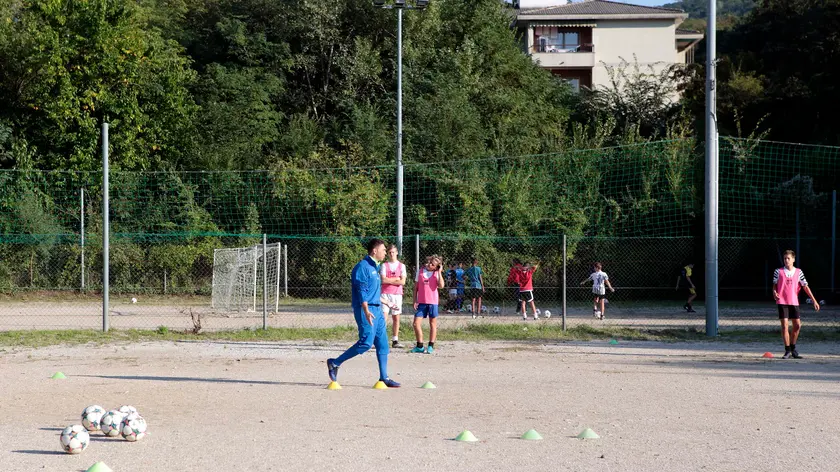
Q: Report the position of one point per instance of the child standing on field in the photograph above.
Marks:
(787, 281)
(526, 289)
(599, 279)
(427, 282)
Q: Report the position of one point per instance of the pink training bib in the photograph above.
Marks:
(788, 288)
(392, 270)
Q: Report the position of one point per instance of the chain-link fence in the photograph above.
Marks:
(186, 247)
(218, 282)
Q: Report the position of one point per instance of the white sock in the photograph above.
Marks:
(395, 338)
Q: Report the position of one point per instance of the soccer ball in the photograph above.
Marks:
(133, 300)
(606, 302)
(110, 423)
(496, 310)
(538, 312)
(484, 309)
(822, 302)
(127, 410)
(91, 417)
(808, 301)
(547, 314)
(74, 439)
(133, 427)
(597, 314)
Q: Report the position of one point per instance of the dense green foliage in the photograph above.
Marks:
(699, 8)
(776, 73)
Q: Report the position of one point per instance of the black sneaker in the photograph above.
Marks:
(691, 310)
(685, 307)
(795, 354)
(397, 345)
(787, 355)
(332, 369)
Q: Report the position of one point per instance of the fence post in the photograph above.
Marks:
(277, 279)
(286, 271)
(416, 252)
(105, 227)
(798, 254)
(563, 310)
(833, 235)
(265, 281)
(165, 284)
(256, 260)
(82, 234)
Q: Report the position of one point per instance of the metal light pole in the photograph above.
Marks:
(711, 176)
(400, 5)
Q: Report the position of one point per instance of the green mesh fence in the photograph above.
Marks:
(186, 246)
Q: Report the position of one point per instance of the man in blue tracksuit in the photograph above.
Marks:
(366, 283)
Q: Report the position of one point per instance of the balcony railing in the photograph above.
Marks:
(561, 48)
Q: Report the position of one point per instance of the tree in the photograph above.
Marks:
(66, 66)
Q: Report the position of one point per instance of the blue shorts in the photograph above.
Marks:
(460, 290)
(425, 310)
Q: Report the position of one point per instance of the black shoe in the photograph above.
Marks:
(787, 355)
(332, 369)
(691, 310)
(685, 307)
(795, 354)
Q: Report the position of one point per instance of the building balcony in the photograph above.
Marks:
(551, 56)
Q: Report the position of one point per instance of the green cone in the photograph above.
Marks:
(532, 434)
(613, 341)
(428, 385)
(99, 467)
(58, 375)
(466, 436)
(588, 434)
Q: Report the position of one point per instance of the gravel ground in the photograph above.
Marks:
(215, 406)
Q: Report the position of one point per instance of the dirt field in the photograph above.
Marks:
(253, 407)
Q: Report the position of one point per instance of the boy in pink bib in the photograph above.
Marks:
(428, 281)
(787, 281)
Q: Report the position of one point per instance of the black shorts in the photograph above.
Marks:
(788, 311)
(474, 292)
(526, 296)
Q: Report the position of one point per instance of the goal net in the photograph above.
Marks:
(238, 278)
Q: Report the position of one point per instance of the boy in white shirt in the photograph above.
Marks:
(393, 275)
(599, 278)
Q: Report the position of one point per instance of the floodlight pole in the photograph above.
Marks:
(400, 6)
(711, 176)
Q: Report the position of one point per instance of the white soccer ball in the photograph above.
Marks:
(91, 417)
(133, 427)
(597, 313)
(110, 423)
(538, 312)
(133, 300)
(484, 309)
(496, 310)
(808, 301)
(606, 302)
(127, 410)
(822, 302)
(74, 439)
(547, 314)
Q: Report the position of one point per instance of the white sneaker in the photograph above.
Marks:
(536, 316)
(525, 317)
(598, 315)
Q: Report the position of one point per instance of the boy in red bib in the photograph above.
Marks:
(787, 281)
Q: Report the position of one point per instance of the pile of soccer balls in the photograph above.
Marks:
(124, 421)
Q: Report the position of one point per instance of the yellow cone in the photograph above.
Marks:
(333, 386)
(380, 385)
